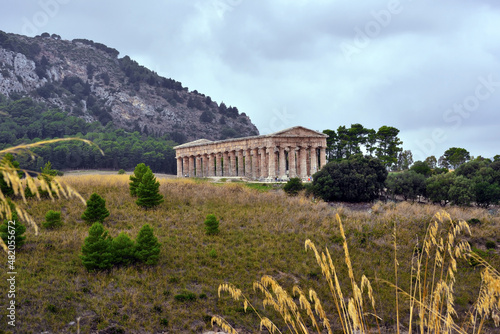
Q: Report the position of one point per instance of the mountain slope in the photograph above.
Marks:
(88, 80)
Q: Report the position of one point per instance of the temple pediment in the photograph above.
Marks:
(298, 131)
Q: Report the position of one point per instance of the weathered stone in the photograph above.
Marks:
(283, 154)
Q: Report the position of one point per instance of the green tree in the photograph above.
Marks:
(97, 249)
(421, 167)
(9, 162)
(96, 210)
(438, 187)
(211, 225)
(408, 184)
(461, 191)
(17, 226)
(123, 249)
(148, 192)
(405, 159)
(52, 220)
(431, 161)
(147, 249)
(357, 179)
(388, 145)
(136, 178)
(455, 156)
(293, 186)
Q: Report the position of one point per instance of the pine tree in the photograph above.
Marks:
(97, 249)
(96, 209)
(123, 249)
(52, 219)
(148, 191)
(211, 225)
(18, 231)
(147, 247)
(136, 178)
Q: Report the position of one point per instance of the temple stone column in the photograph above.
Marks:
(322, 157)
(248, 163)
(255, 165)
(233, 171)
(263, 163)
(241, 167)
(225, 163)
(292, 169)
(191, 166)
(314, 160)
(282, 163)
(179, 167)
(211, 165)
(185, 166)
(198, 171)
(218, 164)
(204, 161)
(303, 162)
(272, 163)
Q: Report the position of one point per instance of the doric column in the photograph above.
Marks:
(241, 166)
(211, 164)
(232, 157)
(263, 163)
(248, 163)
(204, 163)
(225, 163)
(179, 167)
(272, 163)
(191, 166)
(303, 162)
(314, 160)
(198, 171)
(218, 164)
(292, 169)
(185, 166)
(282, 163)
(255, 165)
(322, 157)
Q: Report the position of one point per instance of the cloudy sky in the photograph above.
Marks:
(429, 68)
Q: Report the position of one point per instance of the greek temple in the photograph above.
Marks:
(293, 152)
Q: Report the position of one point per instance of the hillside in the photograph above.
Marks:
(261, 233)
(89, 80)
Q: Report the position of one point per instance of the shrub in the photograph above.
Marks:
(121, 172)
(147, 249)
(490, 244)
(357, 179)
(211, 225)
(123, 249)
(148, 191)
(52, 220)
(212, 253)
(97, 249)
(185, 296)
(18, 231)
(96, 210)
(438, 187)
(136, 178)
(408, 184)
(293, 186)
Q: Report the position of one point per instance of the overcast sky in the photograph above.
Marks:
(429, 68)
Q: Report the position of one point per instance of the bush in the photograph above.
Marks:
(147, 249)
(438, 187)
(96, 210)
(97, 249)
(123, 249)
(52, 220)
(357, 179)
(211, 225)
(19, 230)
(490, 245)
(408, 184)
(121, 172)
(148, 191)
(185, 296)
(293, 186)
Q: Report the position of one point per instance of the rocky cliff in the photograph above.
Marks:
(89, 80)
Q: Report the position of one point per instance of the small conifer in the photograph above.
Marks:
(52, 219)
(136, 178)
(96, 209)
(123, 249)
(18, 228)
(97, 249)
(211, 225)
(147, 249)
(148, 191)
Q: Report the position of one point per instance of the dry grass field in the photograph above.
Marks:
(262, 232)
